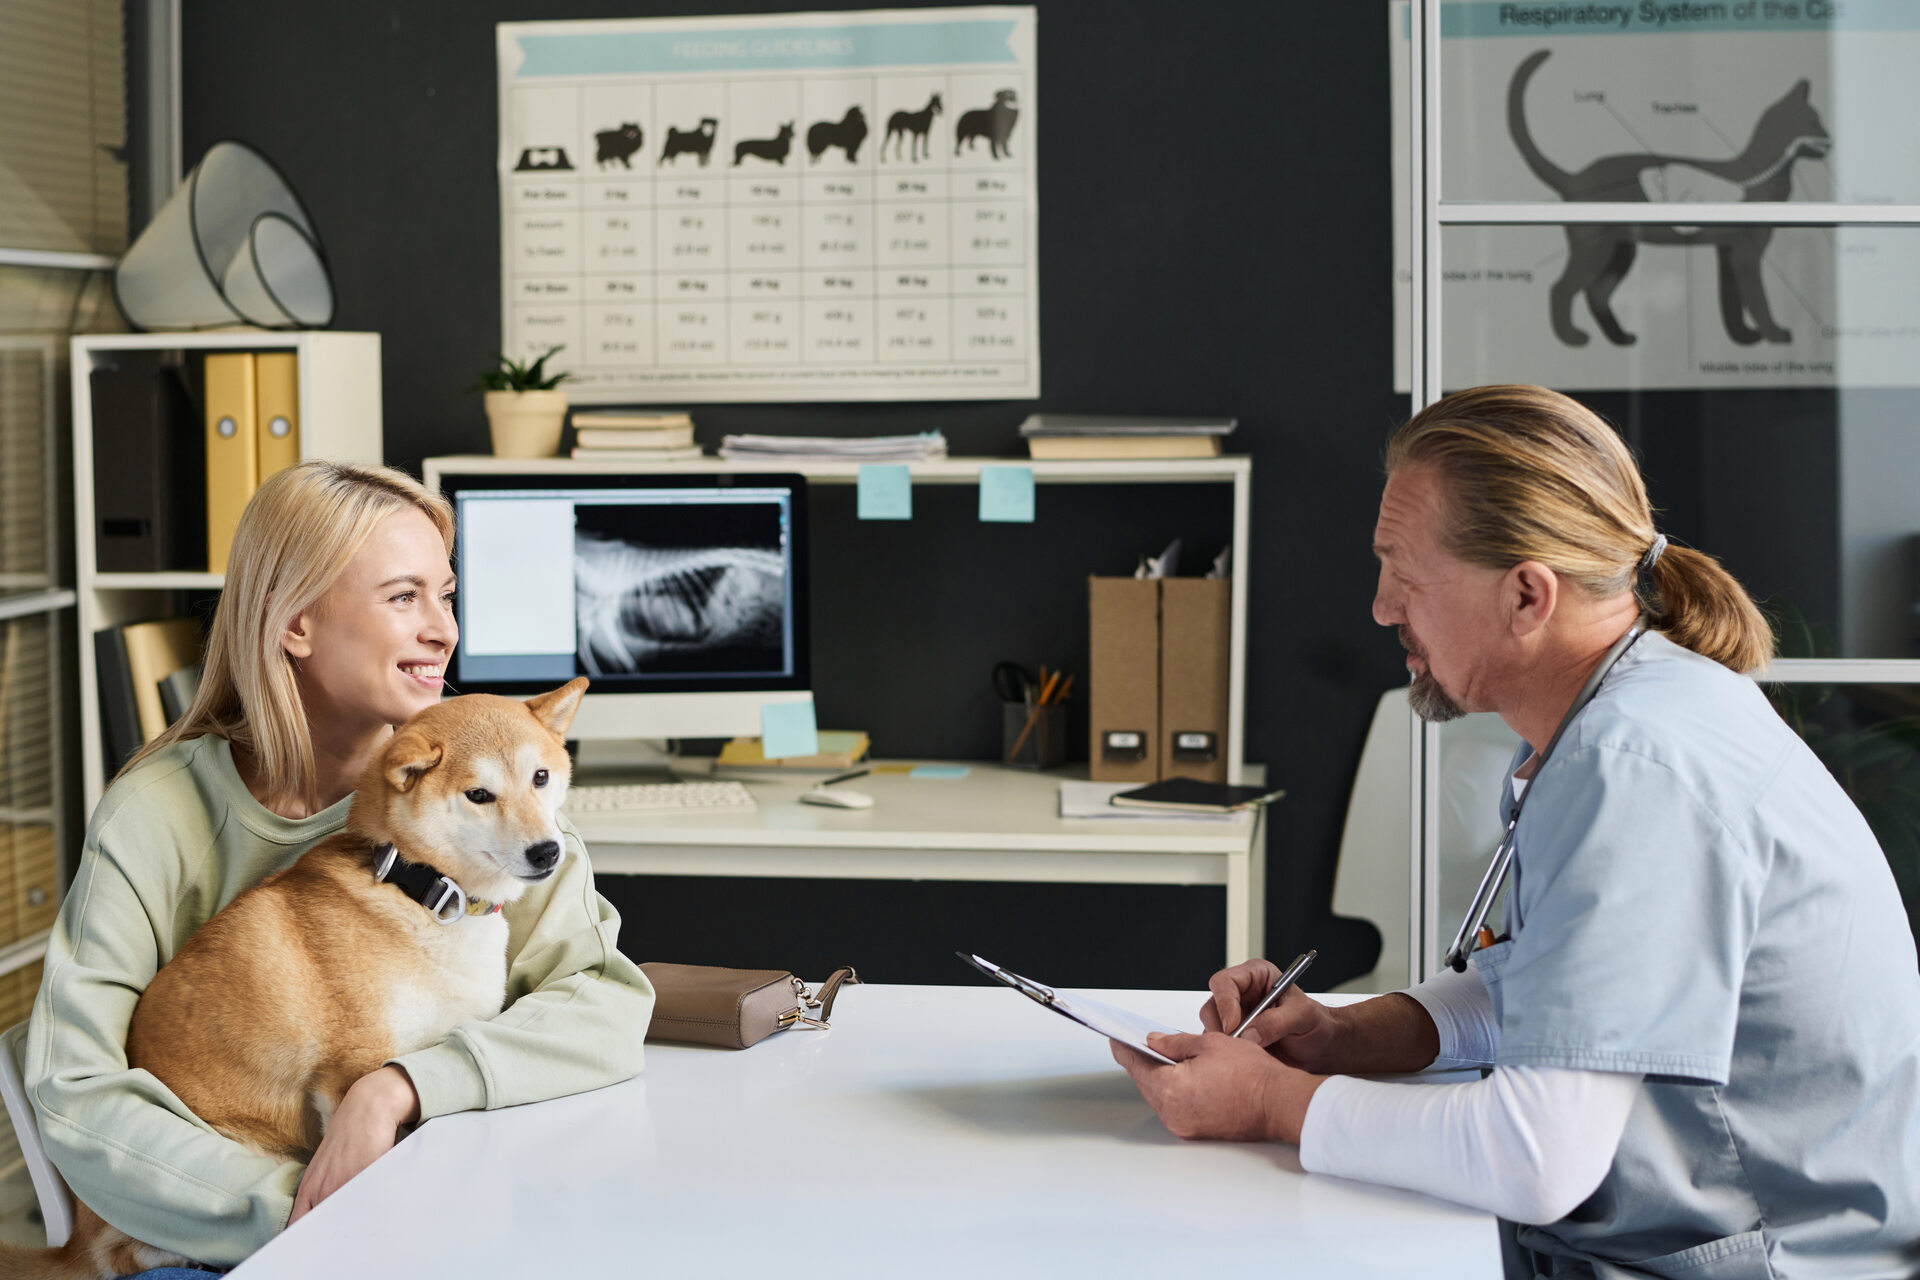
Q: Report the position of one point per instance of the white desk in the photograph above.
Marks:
(935, 1131)
(994, 824)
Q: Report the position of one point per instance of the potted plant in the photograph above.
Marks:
(525, 408)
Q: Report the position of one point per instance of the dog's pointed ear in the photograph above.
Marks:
(555, 709)
(408, 757)
(1802, 90)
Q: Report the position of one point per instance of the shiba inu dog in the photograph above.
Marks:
(376, 942)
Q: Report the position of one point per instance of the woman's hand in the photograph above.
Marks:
(363, 1129)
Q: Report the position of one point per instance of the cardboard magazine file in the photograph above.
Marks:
(1123, 679)
(1195, 614)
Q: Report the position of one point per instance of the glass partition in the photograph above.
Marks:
(1703, 221)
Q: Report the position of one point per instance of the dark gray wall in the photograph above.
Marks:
(1241, 268)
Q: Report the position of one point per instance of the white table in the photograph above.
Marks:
(996, 824)
(935, 1131)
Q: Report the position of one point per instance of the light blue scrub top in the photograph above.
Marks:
(1694, 898)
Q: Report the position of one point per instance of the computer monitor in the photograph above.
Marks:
(683, 598)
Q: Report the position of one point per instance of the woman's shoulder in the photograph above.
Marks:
(172, 787)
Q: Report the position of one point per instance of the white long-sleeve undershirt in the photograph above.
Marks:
(1526, 1143)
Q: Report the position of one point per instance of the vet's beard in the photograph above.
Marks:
(1428, 700)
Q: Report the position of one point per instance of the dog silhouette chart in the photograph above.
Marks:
(847, 134)
(543, 160)
(774, 148)
(617, 144)
(698, 142)
(994, 123)
(1598, 257)
(911, 127)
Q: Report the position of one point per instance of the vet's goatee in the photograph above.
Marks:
(1428, 700)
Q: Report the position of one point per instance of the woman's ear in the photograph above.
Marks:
(296, 638)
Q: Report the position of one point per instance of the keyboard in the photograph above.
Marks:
(661, 797)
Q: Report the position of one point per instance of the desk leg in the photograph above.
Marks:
(1239, 908)
(1247, 897)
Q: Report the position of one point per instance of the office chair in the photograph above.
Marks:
(56, 1202)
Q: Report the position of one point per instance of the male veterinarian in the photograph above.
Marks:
(1700, 1000)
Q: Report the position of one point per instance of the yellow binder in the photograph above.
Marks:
(277, 417)
(232, 449)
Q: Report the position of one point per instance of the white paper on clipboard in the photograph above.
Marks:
(1111, 1021)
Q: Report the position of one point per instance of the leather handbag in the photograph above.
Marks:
(733, 1008)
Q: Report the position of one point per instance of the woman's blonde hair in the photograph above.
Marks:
(1534, 475)
(293, 541)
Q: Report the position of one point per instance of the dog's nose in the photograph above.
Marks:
(542, 856)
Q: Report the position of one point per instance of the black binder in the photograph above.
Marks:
(149, 472)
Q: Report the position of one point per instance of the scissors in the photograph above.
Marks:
(1013, 682)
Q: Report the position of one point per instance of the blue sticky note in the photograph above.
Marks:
(939, 771)
(886, 492)
(1006, 493)
(787, 729)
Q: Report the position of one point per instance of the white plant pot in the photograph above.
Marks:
(526, 424)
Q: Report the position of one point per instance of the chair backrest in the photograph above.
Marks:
(56, 1202)
(1372, 880)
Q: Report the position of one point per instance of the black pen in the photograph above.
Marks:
(1287, 979)
(845, 777)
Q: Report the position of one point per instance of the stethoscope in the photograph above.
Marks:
(1467, 941)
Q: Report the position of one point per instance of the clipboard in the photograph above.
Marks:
(1111, 1021)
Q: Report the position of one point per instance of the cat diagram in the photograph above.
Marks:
(1599, 257)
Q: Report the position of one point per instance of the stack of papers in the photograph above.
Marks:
(1093, 800)
(926, 447)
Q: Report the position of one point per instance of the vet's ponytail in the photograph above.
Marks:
(1696, 603)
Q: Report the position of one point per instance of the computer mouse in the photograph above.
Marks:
(836, 798)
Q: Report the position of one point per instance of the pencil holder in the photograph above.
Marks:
(1044, 744)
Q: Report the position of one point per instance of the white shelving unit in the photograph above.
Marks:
(1234, 471)
(340, 419)
(33, 812)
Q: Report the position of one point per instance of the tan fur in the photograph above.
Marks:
(319, 974)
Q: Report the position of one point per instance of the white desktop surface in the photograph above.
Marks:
(996, 824)
(935, 1131)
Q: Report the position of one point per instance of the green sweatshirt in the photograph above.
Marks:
(170, 844)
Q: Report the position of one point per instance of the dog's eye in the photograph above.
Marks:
(539, 777)
(480, 795)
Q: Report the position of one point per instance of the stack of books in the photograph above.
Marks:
(928, 446)
(1084, 436)
(636, 435)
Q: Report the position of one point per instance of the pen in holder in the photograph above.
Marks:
(1033, 738)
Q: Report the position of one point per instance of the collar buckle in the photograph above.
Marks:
(446, 901)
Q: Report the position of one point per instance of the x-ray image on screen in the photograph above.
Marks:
(661, 588)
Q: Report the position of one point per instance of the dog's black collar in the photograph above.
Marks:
(439, 894)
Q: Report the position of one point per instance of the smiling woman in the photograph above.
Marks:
(334, 627)
(316, 547)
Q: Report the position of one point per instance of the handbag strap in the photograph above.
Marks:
(823, 998)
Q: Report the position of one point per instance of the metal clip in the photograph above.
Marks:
(447, 893)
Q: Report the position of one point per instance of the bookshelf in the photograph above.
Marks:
(35, 610)
(340, 418)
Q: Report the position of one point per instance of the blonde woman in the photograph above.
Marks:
(335, 625)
